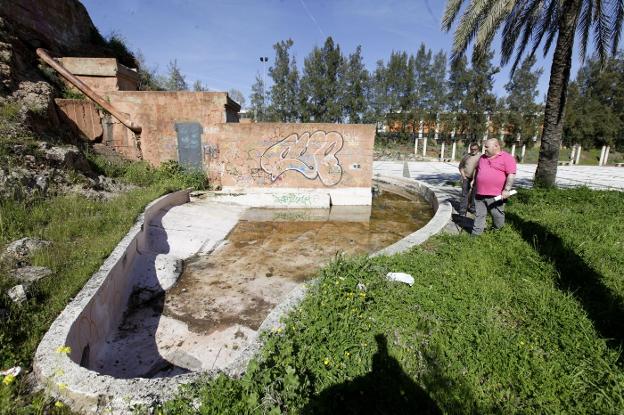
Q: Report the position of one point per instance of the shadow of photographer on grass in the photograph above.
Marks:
(387, 389)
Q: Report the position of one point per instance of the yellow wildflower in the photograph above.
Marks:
(59, 404)
(61, 386)
(8, 379)
(64, 349)
(326, 361)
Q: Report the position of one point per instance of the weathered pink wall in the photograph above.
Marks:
(254, 155)
(157, 113)
(101, 74)
(82, 115)
(280, 155)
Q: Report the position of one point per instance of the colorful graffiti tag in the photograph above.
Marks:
(312, 155)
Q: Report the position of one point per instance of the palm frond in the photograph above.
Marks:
(602, 29)
(497, 13)
(616, 27)
(450, 13)
(551, 24)
(530, 19)
(511, 31)
(584, 26)
(522, 29)
(469, 25)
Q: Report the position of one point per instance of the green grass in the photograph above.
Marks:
(524, 320)
(83, 232)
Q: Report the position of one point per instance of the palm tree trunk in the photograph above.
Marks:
(555, 99)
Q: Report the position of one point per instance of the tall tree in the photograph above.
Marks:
(175, 81)
(355, 87)
(436, 81)
(521, 94)
(322, 84)
(595, 110)
(480, 101)
(285, 90)
(457, 86)
(258, 99)
(422, 73)
(528, 22)
(378, 105)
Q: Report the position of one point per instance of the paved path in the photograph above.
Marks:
(443, 175)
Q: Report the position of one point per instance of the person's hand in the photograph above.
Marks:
(505, 194)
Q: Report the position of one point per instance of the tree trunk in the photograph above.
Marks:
(555, 99)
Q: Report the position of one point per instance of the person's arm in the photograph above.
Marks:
(462, 164)
(508, 184)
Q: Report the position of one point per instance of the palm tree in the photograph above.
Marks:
(529, 22)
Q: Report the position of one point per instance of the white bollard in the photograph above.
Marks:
(453, 151)
(442, 152)
(523, 152)
(602, 154)
(606, 157)
(416, 146)
(513, 149)
(424, 147)
(578, 154)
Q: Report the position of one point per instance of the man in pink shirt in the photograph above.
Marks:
(496, 172)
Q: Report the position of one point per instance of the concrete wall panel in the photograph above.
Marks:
(277, 155)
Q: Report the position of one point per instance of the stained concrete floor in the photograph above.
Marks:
(226, 291)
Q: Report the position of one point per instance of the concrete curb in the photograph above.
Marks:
(439, 201)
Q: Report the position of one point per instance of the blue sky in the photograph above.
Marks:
(220, 41)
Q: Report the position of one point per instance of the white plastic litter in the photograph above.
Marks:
(14, 371)
(400, 277)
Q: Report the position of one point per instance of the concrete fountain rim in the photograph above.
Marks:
(87, 390)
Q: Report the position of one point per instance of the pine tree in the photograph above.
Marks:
(258, 99)
(285, 90)
(175, 81)
(356, 80)
(457, 86)
(521, 94)
(322, 84)
(480, 101)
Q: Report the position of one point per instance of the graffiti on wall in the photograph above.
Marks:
(312, 155)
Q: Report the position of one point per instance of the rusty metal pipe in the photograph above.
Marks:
(43, 54)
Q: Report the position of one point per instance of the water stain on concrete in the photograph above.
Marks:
(273, 251)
